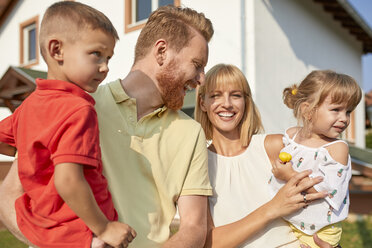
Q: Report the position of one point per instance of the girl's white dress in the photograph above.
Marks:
(335, 207)
(239, 187)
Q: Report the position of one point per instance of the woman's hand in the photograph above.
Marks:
(290, 198)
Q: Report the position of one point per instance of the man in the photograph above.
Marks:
(154, 155)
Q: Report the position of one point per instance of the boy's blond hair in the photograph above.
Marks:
(67, 18)
(315, 88)
(174, 24)
(222, 76)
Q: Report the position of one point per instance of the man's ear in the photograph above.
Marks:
(160, 51)
(55, 49)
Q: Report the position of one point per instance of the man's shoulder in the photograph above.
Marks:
(179, 125)
(178, 117)
(104, 88)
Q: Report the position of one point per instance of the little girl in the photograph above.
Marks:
(322, 103)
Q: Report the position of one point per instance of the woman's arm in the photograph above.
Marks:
(286, 201)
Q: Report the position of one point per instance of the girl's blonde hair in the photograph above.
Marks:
(219, 77)
(315, 88)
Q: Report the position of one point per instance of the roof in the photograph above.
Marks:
(361, 160)
(16, 84)
(350, 19)
(5, 8)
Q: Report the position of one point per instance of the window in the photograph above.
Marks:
(137, 12)
(29, 49)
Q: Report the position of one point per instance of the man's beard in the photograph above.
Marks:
(171, 86)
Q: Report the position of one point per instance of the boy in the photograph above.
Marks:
(56, 133)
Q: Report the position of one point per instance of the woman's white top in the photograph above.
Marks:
(239, 187)
(335, 206)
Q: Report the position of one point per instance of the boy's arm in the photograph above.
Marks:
(193, 222)
(7, 149)
(71, 185)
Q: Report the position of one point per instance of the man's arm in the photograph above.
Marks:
(10, 190)
(193, 222)
(7, 149)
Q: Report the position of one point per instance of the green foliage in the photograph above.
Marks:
(357, 234)
(8, 240)
(369, 140)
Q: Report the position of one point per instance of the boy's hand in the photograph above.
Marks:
(117, 234)
(97, 243)
(283, 171)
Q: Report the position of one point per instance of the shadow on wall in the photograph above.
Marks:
(292, 38)
(313, 35)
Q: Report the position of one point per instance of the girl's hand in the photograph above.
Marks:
(289, 198)
(283, 171)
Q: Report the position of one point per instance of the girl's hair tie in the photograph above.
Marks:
(294, 91)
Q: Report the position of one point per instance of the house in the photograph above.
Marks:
(274, 42)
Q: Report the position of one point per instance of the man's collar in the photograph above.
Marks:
(118, 92)
(120, 96)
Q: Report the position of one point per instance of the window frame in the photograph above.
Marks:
(129, 26)
(24, 25)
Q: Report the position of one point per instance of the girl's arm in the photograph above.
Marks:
(273, 146)
(286, 201)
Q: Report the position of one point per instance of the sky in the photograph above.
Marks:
(364, 8)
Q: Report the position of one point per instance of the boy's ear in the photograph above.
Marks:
(55, 49)
(160, 51)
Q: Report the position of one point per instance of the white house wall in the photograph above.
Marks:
(293, 38)
(284, 40)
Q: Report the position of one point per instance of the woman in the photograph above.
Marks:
(240, 166)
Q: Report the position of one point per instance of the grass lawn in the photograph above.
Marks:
(355, 235)
(7, 240)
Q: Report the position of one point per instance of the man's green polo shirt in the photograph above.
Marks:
(149, 163)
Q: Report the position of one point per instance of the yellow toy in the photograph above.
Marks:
(285, 157)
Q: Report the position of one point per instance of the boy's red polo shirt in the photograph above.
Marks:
(56, 124)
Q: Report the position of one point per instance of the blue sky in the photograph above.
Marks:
(364, 8)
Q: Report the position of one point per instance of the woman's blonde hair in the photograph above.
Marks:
(315, 88)
(220, 76)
